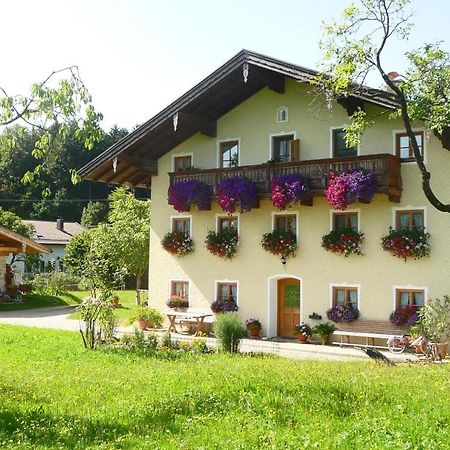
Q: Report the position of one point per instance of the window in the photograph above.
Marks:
(409, 219)
(286, 148)
(340, 149)
(345, 220)
(180, 288)
(282, 114)
(227, 291)
(182, 163)
(412, 297)
(182, 224)
(229, 223)
(286, 222)
(345, 296)
(403, 146)
(229, 154)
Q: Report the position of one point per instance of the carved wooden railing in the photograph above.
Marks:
(385, 166)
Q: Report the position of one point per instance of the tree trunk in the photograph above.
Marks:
(138, 286)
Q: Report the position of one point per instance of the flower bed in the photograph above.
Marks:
(184, 194)
(405, 315)
(222, 244)
(407, 243)
(178, 243)
(281, 243)
(228, 305)
(237, 194)
(343, 313)
(345, 242)
(287, 189)
(349, 186)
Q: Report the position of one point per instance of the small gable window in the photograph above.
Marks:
(282, 114)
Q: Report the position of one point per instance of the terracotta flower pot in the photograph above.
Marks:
(302, 338)
(141, 324)
(442, 348)
(253, 332)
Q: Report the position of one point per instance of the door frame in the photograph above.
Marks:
(272, 301)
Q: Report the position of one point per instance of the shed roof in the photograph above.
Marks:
(133, 158)
(11, 242)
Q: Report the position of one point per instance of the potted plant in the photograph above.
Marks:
(237, 194)
(346, 241)
(287, 189)
(281, 243)
(303, 331)
(253, 327)
(324, 331)
(115, 301)
(178, 243)
(184, 194)
(407, 243)
(434, 319)
(343, 313)
(222, 244)
(144, 318)
(349, 186)
(224, 305)
(178, 302)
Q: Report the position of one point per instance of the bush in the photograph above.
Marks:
(55, 283)
(151, 315)
(435, 319)
(229, 331)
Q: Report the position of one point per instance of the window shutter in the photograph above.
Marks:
(295, 150)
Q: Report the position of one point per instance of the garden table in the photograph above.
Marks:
(197, 317)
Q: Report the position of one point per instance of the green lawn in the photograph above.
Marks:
(32, 301)
(55, 394)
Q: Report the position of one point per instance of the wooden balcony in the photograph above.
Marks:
(384, 165)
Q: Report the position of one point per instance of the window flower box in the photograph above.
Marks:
(178, 243)
(222, 244)
(405, 315)
(349, 186)
(237, 194)
(343, 313)
(224, 305)
(287, 189)
(407, 243)
(184, 194)
(281, 243)
(346, 241)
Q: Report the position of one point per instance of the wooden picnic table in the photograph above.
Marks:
(197, 317)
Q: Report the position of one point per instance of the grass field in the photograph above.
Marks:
(55, 394)
(32, 301)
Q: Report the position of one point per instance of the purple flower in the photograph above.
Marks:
(237, 193)
(185, 193)
(343, 313)
(287, 189)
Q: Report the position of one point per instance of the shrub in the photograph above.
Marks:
(345, 242)
(407, 243)
(55, 283)
(151, 315)
(435, 318)
(184, 194)
(222, 244)
(281, 243)
(324, 330)
(178, 243)
(287, 189)
(237, 193)
(229, 331)
(343, 313)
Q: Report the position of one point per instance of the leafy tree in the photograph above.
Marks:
(94, 213)
(354, 47)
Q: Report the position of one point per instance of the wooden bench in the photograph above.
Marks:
(195, 323)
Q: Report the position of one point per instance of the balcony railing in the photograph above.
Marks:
(385, 166)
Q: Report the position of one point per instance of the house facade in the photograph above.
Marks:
(256, 109)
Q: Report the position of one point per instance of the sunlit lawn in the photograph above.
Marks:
(32, 301)
(54, 394)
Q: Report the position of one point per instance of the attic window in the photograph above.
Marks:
(282, 114)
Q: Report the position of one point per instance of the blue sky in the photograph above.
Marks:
(137, 56)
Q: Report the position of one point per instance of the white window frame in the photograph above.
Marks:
(332, 128)
(281, 133)
(181, 216)
(345, 285)
(286, 213)
(226, 281)
(182, 154)
(408, 287)
(219, 156)
(424, 143)
(337, 211)
(182, 280)
(224, 216)
(279, 110)
(410, 208)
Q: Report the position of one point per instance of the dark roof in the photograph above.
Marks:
(198, 109)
